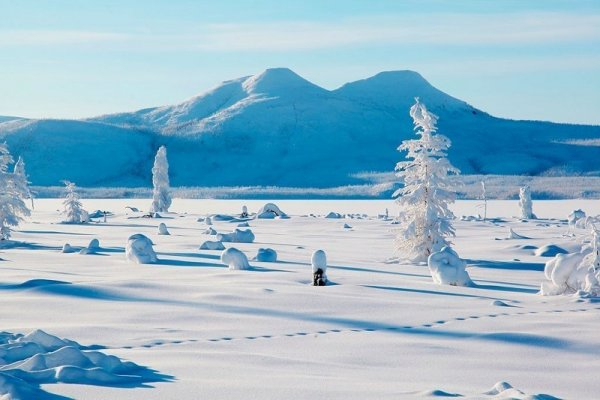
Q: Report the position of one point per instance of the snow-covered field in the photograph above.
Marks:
(379, 331)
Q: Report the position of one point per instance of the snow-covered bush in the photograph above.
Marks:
(21, 180)
(162, 229)
(447, 268)
(235, 259)
(237, 236)
(549, 250)
(212, 245)
(67, 248)
(575, 217)
(424, 220)
(270, 211)
(318, 262)
(12, 206)
(73, 210)
(575, 272)
(161, 197)
(266, 255)
(208, 221)
(334, 215)
(139, 249)
(525, 203)
(210, 231)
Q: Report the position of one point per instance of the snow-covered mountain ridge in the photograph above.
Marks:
(278, 129)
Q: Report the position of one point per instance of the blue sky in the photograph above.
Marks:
(515, 59)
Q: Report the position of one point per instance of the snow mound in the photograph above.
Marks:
(212, 245)
(243, 225)
(549, 250)
(67, 248)
(92, 247)
(334, 215)
(237, 236)
(514, 235)
(37, 358)
(270, 211)
(346, 226)
(574, 273)
(139, 249)
(235, 259)
(210, 231)
(221, 217)
(208, 221)
(318, 262)
(504, 390)
(471, 218)
(575, 217)
(447, 268)
(499, 303)
(266, 255)
(162, 229)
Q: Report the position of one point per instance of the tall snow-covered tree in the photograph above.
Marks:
(525, 203)
(12, 206)
(424, 222)
(161, 196)
(73, 210)
(21, 180)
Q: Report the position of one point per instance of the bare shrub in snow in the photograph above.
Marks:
(424, 219)
(161, 197)
(447, 268)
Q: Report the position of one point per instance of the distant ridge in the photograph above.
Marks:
(278, 129)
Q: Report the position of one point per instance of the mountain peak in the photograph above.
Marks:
(279, 81)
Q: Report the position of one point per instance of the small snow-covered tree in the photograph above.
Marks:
(161, 197)
(484, 199)
(525, 203)
(21, 180)
(12, 207)
(73, 210)
(425, 219)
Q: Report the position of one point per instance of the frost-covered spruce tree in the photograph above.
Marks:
(161, 197)
(73, 210)
(12, 207)
(424, 219)
(21, 182)
(525, 203)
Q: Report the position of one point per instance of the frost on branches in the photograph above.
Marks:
(425, 219)
(21, 182)
(161, 198)
(74, 212)
(12, 207)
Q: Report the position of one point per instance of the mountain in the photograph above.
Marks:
(276, 128)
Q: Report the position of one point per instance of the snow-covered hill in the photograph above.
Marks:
(276, 128)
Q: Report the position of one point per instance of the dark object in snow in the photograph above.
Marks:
(318, 279)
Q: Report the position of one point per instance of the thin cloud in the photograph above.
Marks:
(541, 28)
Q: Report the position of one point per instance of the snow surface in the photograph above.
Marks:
(383, 331)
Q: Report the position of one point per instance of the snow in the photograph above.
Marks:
(235, 259)
(447, 268)
(383, 331)
(269, 211)
(334, 215)
(139, 249)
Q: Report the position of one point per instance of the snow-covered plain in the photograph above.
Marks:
(380, 330)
